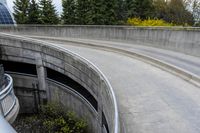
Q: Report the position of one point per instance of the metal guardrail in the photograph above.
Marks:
(7, 97)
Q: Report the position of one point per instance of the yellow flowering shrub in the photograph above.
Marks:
(134, 21)
(148, 22)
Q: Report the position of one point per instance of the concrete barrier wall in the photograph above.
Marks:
(19, 49)
(27, 95)
(185, 40)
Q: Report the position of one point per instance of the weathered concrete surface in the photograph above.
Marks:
(1, 77)
(185, 40)
(182, 65)
(27, 94)
(25, 50)
(14, 113)
(69, 99)
(184, 61)
(150, 100)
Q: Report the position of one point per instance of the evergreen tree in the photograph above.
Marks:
(69, 12)
(121, 11)
(21, 11)
(48, 12)
(143, 8)
(139, 8)
(83, 11)
(130, 9)
(33, 13)
(103, 12)
(96, 14)
(110, 12)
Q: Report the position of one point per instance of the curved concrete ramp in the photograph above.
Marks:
(150, 99)
(84, 89)
(180, 64)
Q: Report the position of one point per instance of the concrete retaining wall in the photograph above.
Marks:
(185, 40)
(29, 103)
(44, 55)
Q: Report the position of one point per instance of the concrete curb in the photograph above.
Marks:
(186, 75)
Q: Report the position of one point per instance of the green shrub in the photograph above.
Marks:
(53, 119)
(59, 121)
(148, 22)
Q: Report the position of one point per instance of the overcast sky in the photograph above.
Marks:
(56, 2)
